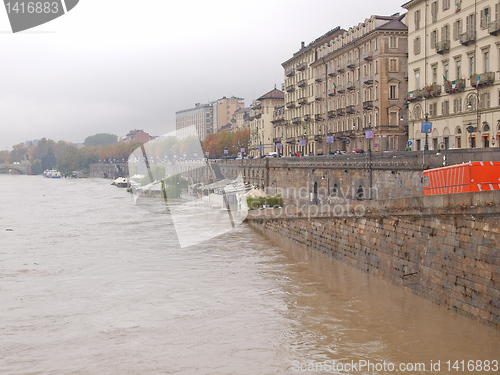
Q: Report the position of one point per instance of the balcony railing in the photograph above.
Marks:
(368, 81)
(290, 104)
(331, 91)
(332, 73)
(332, 114)
(307, 118)
(290, 140)
(318, 117)
(258, 115)
(340, 89)
(277, 140)
(350, 109)
(302, 100)
(467, 37)
(454, 86)
(318, 77)
(302, 83)
(482, 79)
(290, 88)
(351, 86)
(296, 120)
(443, 46)
(302, 66)
(318, 98)
(351, 65)
(494, 27)
(290, 72)
(340, 69)
(368, 104)
(368, 57)
(432, 90)
(415, 95)
(318, 138)
(340, 111)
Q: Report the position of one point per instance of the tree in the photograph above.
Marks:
(4, 157)
(36, 167)
(100, 139)
(49, 159)
(19, 153)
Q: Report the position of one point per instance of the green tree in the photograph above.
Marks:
(49, 159)
(100, 139)
(4, 157)
(36, 167)
(19, 153)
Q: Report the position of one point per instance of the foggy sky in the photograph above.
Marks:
(116, 65)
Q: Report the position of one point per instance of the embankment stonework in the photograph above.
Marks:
(443, 248)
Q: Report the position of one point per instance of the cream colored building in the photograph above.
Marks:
(300, 96)
(454, 60)
(360, 85)
(200, 117)
(261, 125)
(241, 119)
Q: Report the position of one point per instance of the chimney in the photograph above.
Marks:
(302, 45)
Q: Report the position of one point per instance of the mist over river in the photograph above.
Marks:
(90, 283)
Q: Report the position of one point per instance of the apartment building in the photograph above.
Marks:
(279, 128)
(453, 73)
(301, 125)
(223, 111)
(261, 125)
(241, 119)
(360, 88)
(200, 117)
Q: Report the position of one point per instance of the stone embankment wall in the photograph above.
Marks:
(108, 170)
(444, 248)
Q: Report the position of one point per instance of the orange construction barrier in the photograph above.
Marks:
(462, 178)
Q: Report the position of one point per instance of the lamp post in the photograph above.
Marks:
(426, 147)
(470, 128)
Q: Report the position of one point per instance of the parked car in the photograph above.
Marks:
(359, 151)
(340, 152)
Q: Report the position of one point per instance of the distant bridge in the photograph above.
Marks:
(21, 168)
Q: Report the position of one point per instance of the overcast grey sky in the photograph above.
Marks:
(109, 66)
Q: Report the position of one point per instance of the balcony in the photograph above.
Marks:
(443, 47)
(318, 138)
(302, 100)
(415, 95)
(302, 83)
(494, 27)
(340, 89)
(290, 140)
(340, 69)
(277, 140)
(307, 118)
(332, 74)
(318, 98)
(296, 120)
(350, 109)
(290, 72)
(467, 37)
(351, 86)
(432, 90)
(290, 88)
(318, 117)
(341, 112)
(368, 104)
(368, 81)
(459, 86)
(368, 57)
(482, 79)
(332, 114)
(258, 115)
(351, 65)
(290, 104)
(318, 77)
(302, 66)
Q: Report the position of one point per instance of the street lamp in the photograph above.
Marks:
(470, 128)
(426, 134)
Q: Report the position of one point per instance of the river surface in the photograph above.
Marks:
(92, 284)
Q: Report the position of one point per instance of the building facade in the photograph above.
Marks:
(360, 88)
(200, 117)
(301, 124)
(241, 119)
(453, 73)
(223, 110)
(261, 125)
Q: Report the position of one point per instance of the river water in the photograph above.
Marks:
(92, 284)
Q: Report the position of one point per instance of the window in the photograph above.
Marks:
(445, 33)
(484, 100)
(471, 65)
(470, 22)
(445, 107)
(433, 109)
(393, 118)
(417, 79)
(459, 68)
(446, 5)
(393, 91)
(457, 29)
(457, 105)
(434, 11)
(416, 46)
(393, 42)
(434, 73)
(393, 65)
(434, 38)
(485, 17)
(486, 59)
(445, 69)
(417, 19)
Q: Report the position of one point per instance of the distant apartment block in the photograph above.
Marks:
(241, 119)
(224, 110)
(453, 73)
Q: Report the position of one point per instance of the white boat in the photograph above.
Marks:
(51, 173)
